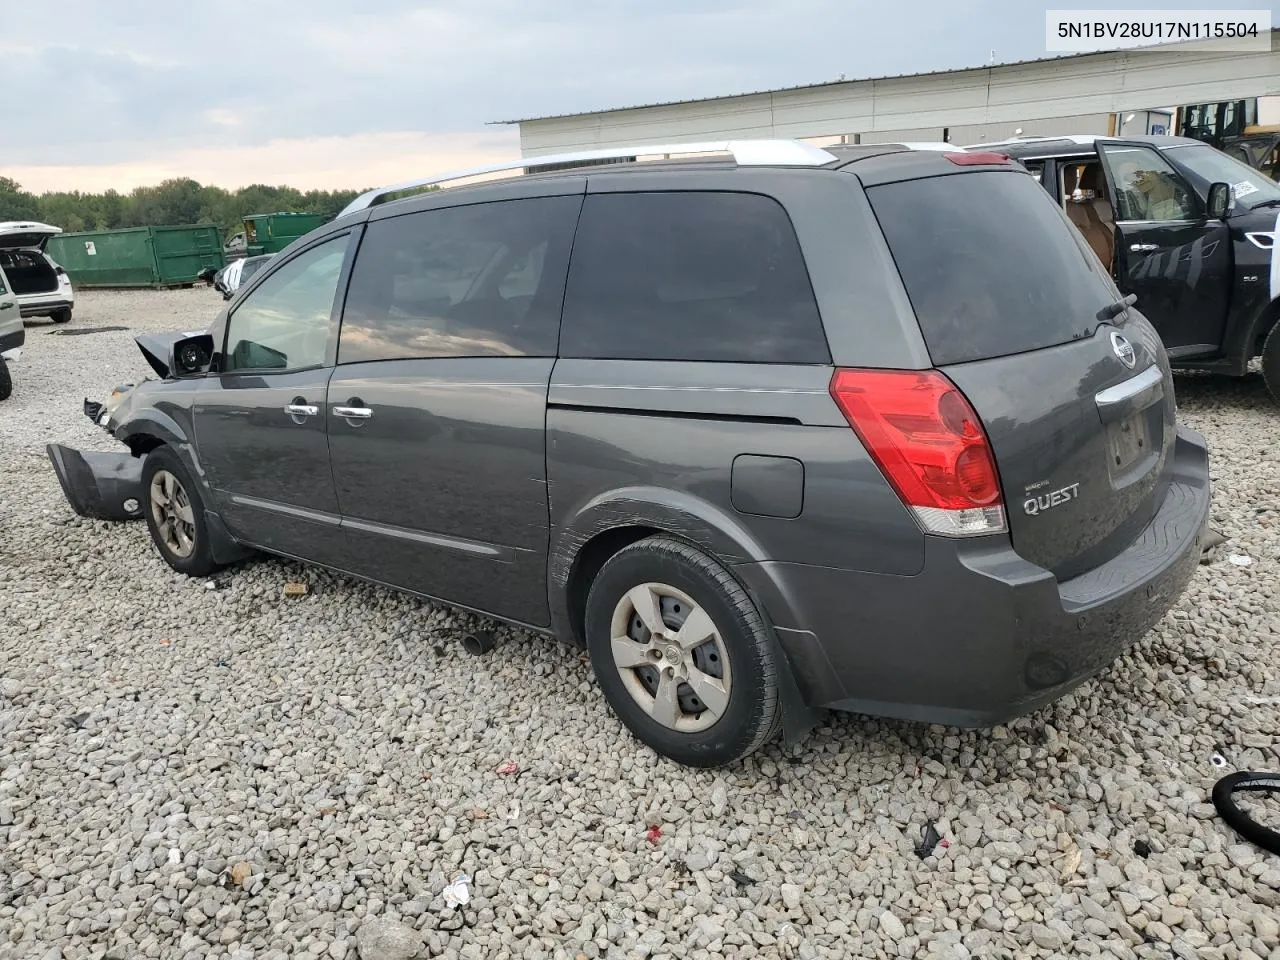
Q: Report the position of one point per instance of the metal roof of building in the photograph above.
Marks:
(836, 83)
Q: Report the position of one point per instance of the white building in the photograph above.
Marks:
(1132, 91)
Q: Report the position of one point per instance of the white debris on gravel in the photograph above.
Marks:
(226, 773)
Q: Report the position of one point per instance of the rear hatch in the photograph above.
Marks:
(1074, 391)
(26, 233)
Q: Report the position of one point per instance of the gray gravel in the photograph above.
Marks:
(187, 772)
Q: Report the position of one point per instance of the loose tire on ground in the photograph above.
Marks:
(1271, 362)
(61, 316)
(701, 689)
(175, 514)
(1239, 821)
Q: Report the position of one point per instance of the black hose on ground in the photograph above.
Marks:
(1237, 819)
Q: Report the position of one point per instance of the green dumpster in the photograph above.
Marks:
(138, 256)
(272, 232)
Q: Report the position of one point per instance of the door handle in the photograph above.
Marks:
(6, 306)
(1143, 247)
(353, 413)
(301, 409)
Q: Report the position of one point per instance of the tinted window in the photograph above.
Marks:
(283, 324)
(991, 264)
(252, 266)
(689, 276)
(485, 280)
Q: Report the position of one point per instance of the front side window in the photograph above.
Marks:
(1250, 188)
(1147, 186)
(695, 276)
(284, 324)
(482, 280)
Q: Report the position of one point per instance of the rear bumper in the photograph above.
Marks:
(44, 308)
(980, 635)
(103, 486)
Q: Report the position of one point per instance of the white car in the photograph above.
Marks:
(42, 287)
(12, 334)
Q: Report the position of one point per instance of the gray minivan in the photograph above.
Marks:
(862, 428)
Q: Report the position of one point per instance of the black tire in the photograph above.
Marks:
(6, 381)
(198, 562)
(61, 316)
(1271, 362)
(1237, 819)
(752, 714)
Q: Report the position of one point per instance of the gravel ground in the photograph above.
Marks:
(187, 772)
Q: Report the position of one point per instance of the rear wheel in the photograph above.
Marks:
(61, 316)
(175, 515)
(6, 381)
(683, 656)
(1271, 362)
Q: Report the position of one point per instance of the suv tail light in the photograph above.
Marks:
(930, 445)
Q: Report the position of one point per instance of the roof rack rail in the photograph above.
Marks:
(746, 153)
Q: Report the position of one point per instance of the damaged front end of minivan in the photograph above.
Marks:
(104, 485)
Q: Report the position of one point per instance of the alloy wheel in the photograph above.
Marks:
(671, 657)
(174, 518)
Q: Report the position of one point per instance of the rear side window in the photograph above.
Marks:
(992, 265)
(483, 280)
(689, 276)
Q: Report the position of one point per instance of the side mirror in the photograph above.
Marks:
(191, 356)
(1219, 201)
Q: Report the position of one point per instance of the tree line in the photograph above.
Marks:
(177, 201)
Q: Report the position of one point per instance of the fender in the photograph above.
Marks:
(150, 426)
(1266, 318)
(689, 518)
(679, 514)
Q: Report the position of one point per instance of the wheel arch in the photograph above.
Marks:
(152, 429)
(583, 542)
(1267, 318)
(587, 537)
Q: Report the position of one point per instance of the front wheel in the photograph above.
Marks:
(1271, 362)
(6, 381)
(61, 316)
(175, 514)
(682, 654)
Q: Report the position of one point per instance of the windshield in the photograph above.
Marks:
(1249, 187)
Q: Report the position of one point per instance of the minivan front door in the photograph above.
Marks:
(1176, 260)
(260, 421)
(437, 408)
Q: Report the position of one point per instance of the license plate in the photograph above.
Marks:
(1129, 441)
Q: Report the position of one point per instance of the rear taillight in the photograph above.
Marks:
(930, 445)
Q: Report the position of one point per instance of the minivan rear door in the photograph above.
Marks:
(1168, 253)
(1074, 393)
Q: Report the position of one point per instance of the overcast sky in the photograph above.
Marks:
(317, 93)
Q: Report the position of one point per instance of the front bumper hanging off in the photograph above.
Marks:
(102, 486)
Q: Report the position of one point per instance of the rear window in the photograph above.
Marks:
(992, 266)
(689, 276)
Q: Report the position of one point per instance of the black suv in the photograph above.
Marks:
(867, 429)
(1200, 258)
